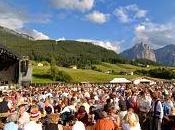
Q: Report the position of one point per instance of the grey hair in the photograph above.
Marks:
(12, 118)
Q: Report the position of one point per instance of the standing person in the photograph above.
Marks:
(157, 112)
(123, 108)
(167, 107)
(78, 126)
(107, 105)
(144, 106)
(131, 121)
(82, 115)
(104, 123)
(11, 125)
(53, 122)
(112, 112)
(34, 117)
(24, 117)
(4, 105)
(4, 108)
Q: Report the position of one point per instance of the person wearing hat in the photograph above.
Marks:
(34, 117)
(24, 117)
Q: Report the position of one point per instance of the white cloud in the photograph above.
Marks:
(33, 33)
(129, 13)
(39, 35)
(106, 44)
(97, 17)
(11, 22)
(81, 5)
(140, 28)
(157, 35)
(9, 17)
(140, 13)
(61, 39)
(122, 15)
(13, 19)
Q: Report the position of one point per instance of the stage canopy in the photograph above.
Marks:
(120, 80)
(9, 65)
(143, 80)
(7, 58)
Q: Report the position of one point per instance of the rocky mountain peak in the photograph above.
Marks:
(140, 51)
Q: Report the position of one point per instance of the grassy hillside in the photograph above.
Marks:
(104, 67)
(82, 75)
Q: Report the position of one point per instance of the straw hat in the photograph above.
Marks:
(22, 103)
(34, 112)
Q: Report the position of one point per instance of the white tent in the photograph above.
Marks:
(142, 80)
(120, 80)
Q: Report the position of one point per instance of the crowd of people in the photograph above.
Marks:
(89, 107)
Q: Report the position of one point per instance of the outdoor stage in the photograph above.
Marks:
(14, 69)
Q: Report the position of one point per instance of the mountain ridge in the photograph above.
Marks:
(140, 51)
(164, 55)
(66, 53)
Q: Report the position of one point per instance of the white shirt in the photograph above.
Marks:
(144, 105)
(78, 126)
(87, 95)
(122, 114)
(159, 108)
(87, 106)
(32, 125)
(48, 95)
(24, 119)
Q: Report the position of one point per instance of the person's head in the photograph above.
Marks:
(92, 109)
(103, 114)
(81, 109)
(108, 101)
(142, 93)
(131, 119)
(22, 108)
(53, 118)
(130, 110)
(48, 110)
(12, 118)
(155, 95)
(111, 110)
(167, 98)
(35, 113)
(123, 107)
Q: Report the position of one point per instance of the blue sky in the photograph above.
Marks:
(114, 24)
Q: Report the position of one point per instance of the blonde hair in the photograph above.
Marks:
(131, 119)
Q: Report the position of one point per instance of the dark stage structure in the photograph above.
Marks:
(14, 69)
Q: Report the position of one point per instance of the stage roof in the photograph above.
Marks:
(7, 57)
